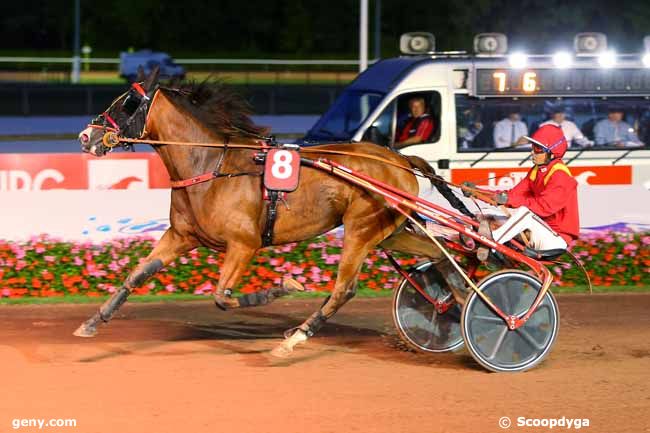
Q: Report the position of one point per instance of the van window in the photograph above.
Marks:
(597, 123)
(343, 119)
(411, 119)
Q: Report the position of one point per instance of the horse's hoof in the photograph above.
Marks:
(282, 351)
(225, 302)
(482, 254)
(285, 349)
(291, 285)
(85, 331)
(220, 305)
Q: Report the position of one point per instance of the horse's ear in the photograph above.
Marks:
(152, 79)
(140, 77)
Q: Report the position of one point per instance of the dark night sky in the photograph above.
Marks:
(311, 28)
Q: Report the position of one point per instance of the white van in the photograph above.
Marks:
(469, 96)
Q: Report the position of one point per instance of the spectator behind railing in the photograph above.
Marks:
(508, 131)
(572, 133)
(614, 131)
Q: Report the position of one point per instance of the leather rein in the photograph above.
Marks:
(111, 139)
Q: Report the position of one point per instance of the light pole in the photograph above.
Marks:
(363, 36)
(76, 58)
(377, 29)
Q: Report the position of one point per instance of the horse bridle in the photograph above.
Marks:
(136, 101)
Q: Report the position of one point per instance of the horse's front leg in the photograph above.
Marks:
(361, 235)
(170, 246)
(237, 258)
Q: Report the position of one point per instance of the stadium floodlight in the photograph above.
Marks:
(562, 60)
(518, 60)
(646, 60)
(607, 59)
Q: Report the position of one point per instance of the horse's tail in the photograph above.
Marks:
(436, 181)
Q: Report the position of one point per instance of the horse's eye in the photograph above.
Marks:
(130, 104)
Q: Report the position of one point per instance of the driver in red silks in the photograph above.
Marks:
(546, 200)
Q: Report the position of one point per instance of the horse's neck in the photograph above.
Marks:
(167, 123)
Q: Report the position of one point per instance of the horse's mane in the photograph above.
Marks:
(216, 105)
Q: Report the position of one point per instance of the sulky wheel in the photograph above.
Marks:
(488, 338)
(418, 322)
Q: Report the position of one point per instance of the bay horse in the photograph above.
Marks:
(228, 212)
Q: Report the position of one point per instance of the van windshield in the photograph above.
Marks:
(343, 119)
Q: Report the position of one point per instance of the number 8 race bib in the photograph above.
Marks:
(282, 169)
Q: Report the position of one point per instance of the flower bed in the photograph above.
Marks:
(48, 267)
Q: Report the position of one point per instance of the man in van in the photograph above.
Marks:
(418, 126)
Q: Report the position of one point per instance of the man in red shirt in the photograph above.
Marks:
(546, 200)
(418, 126)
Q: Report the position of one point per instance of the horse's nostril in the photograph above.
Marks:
(84, 138)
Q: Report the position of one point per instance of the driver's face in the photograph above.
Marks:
(416, 106)
(540, 158)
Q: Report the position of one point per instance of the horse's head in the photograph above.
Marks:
(125, 117)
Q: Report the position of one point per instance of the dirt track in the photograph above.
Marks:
(190, 368)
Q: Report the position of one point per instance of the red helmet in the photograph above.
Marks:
(549, 138)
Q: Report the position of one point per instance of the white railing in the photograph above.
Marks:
(109, 60)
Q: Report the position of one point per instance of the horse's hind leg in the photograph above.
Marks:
(419, 245)
(170, 246)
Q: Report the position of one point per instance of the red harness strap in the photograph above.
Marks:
(208, 176)
(212, 175)
(266, 196)
(194, 180)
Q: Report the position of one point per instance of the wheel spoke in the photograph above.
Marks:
(505, 296)
(542, 306)
(433, 327)
(499, 342)
(529, 339)
(489, 319)
(426, 284)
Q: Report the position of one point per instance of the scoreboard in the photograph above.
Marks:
(561, 82)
